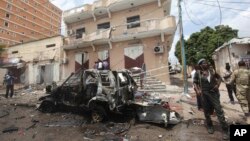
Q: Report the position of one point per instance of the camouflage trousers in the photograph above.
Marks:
(244, 100)
(212, 99)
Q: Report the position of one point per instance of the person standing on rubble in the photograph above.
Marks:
(230, 87)
(207, 83)
(242, 78)
(9, 79)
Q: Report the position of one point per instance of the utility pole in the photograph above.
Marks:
(184, 66)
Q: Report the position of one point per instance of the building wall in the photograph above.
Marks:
(37, 54)
(146, 12)
(150, 12)
(153, 61)
(28, 20)
(230, 55)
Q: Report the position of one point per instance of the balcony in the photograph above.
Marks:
(78, 13)
(148, 28)
(95, 38)
(101, 7)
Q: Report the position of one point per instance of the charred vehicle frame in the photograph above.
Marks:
(99, 91)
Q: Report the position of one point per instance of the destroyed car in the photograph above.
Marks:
(99, 91)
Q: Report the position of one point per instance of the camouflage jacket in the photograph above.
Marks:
(242, 78)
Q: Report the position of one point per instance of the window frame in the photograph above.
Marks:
(105, 25)
(133, 22)
(79, 32)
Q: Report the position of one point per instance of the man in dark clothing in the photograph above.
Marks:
(207, 83)
(9, 79)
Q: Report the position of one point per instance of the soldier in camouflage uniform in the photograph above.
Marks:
(207, 82)
(242, 78)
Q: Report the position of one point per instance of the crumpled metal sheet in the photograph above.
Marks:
(157, 114)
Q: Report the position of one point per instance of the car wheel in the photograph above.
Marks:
(47, 107)
(98, 114)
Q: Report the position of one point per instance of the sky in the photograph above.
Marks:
(197, 14)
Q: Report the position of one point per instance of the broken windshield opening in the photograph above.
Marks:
(74, 79)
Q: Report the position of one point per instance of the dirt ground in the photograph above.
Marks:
(64, 126)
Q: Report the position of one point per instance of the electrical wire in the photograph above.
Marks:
(222, 7)
(231, 2)
(189, 15)
(220, 11)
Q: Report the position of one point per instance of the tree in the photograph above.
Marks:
(202, 44)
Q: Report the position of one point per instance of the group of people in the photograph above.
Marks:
(101, 65)
(206, 84)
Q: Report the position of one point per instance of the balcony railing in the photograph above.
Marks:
(146, 27)
(97, 4)
(98, 35)
(84, 8)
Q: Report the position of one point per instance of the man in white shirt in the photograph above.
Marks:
(198, 97)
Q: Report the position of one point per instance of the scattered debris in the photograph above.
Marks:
(4, 113)
(195, 121)
(34, 135)
(35, 121)
(192, 109)
(174, 118)
(190, 112)
(67, 123)
(32, 126)
(24, 104)
(156, 111)
(10, 129)
(189, 102)
(21, 117)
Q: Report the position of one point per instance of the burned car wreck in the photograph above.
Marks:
(105, 91)
(97, 90)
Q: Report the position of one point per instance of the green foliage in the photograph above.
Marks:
(202, 44)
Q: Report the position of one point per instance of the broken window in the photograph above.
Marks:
(79, 32)
(14, 52)
(133, 22)
(50, 45)
(103, 25)
(7, 15)
(6, 24)
(90, 79)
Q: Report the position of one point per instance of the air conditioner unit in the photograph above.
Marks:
(70, 32)
(158, 49)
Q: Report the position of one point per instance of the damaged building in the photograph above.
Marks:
(231, 53)
(35, 62)
(123, 33)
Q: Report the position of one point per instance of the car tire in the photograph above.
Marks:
(98, 114)
(47, 107)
